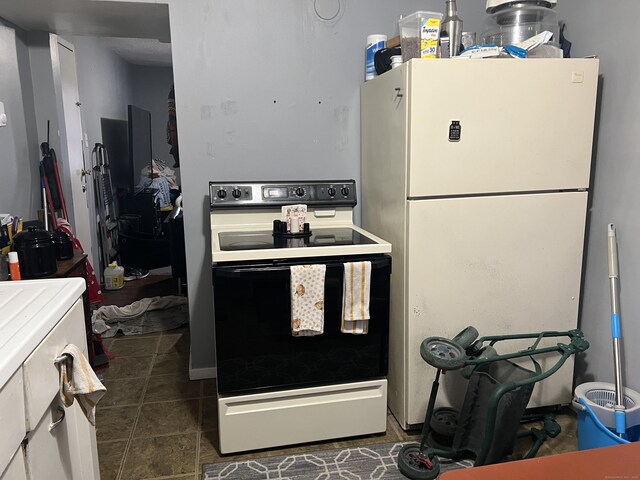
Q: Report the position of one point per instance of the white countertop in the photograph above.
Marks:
(29, 310)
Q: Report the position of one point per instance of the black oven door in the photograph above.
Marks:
(255, 350)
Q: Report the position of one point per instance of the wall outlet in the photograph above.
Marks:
(3, 116)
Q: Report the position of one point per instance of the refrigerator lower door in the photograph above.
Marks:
(504, 264)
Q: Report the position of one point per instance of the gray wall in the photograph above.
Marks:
(19, 155)
(615, 194)
(266, 90)
(151, 87)
(105, 84)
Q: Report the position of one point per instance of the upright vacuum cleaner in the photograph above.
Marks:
(50, 180)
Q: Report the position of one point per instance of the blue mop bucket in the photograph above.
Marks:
(594, 402)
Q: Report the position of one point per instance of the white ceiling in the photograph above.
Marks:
(139, 32)
(140, 51)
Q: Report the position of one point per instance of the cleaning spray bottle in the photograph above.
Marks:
(14, 266)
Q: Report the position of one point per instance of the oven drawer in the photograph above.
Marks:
(255, 350)
(301, 415)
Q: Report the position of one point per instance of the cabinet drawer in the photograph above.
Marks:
(301, 415)
(41, 377)
(12, 418)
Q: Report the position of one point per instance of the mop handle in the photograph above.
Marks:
(615, 327)
(44, 205)
(44, 197)
(613, 278)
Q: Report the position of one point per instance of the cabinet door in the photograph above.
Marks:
(16, 469)
(12, 418)
(84, 435)
(52, 448)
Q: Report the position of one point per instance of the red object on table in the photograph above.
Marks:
(618, 462)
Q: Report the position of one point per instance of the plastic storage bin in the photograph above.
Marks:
(596, 418)
(419, 34)
(516, 23)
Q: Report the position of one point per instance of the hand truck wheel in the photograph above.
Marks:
(442, 353)
(466, 337)
(414, 465)
(444, 421)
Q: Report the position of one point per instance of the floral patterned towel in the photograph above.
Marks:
(307, 300)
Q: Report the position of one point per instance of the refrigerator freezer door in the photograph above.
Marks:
(523, 125)
(505, 264)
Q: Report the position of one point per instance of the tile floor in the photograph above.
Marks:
(154, 423)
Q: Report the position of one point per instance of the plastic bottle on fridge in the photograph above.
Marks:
(375, 42)
(451, 29)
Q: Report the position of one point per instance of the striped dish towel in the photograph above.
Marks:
(79, 382)
(307, 300)
(355, 298)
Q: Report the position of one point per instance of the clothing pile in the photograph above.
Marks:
(161, 177)
(148, 315)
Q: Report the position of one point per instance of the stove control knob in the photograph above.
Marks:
(222, 193)
(236, 192)
(299, 191)
(345, 191)
(331, 191)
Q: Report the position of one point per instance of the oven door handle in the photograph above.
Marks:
(239, 271)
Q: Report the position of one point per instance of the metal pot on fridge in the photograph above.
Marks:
(36, 253)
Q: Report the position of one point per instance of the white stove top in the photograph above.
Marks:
(254, 248)
(242, 219)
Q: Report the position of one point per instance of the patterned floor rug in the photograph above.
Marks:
(371, 462)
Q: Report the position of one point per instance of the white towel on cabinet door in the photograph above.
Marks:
(355, 298)
(307, 300)
(79, 382)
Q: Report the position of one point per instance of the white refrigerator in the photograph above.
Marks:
(477, 172)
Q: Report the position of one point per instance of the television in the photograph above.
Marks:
(139, 135)
(128, 144)
(115, 138)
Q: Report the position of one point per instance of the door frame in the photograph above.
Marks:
(77, 187)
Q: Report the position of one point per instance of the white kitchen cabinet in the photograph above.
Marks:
(12, 418)
(41, 318)
(16, 469)
(52, 450)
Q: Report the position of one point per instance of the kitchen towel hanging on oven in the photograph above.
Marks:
(307, 300)
(355, 298)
